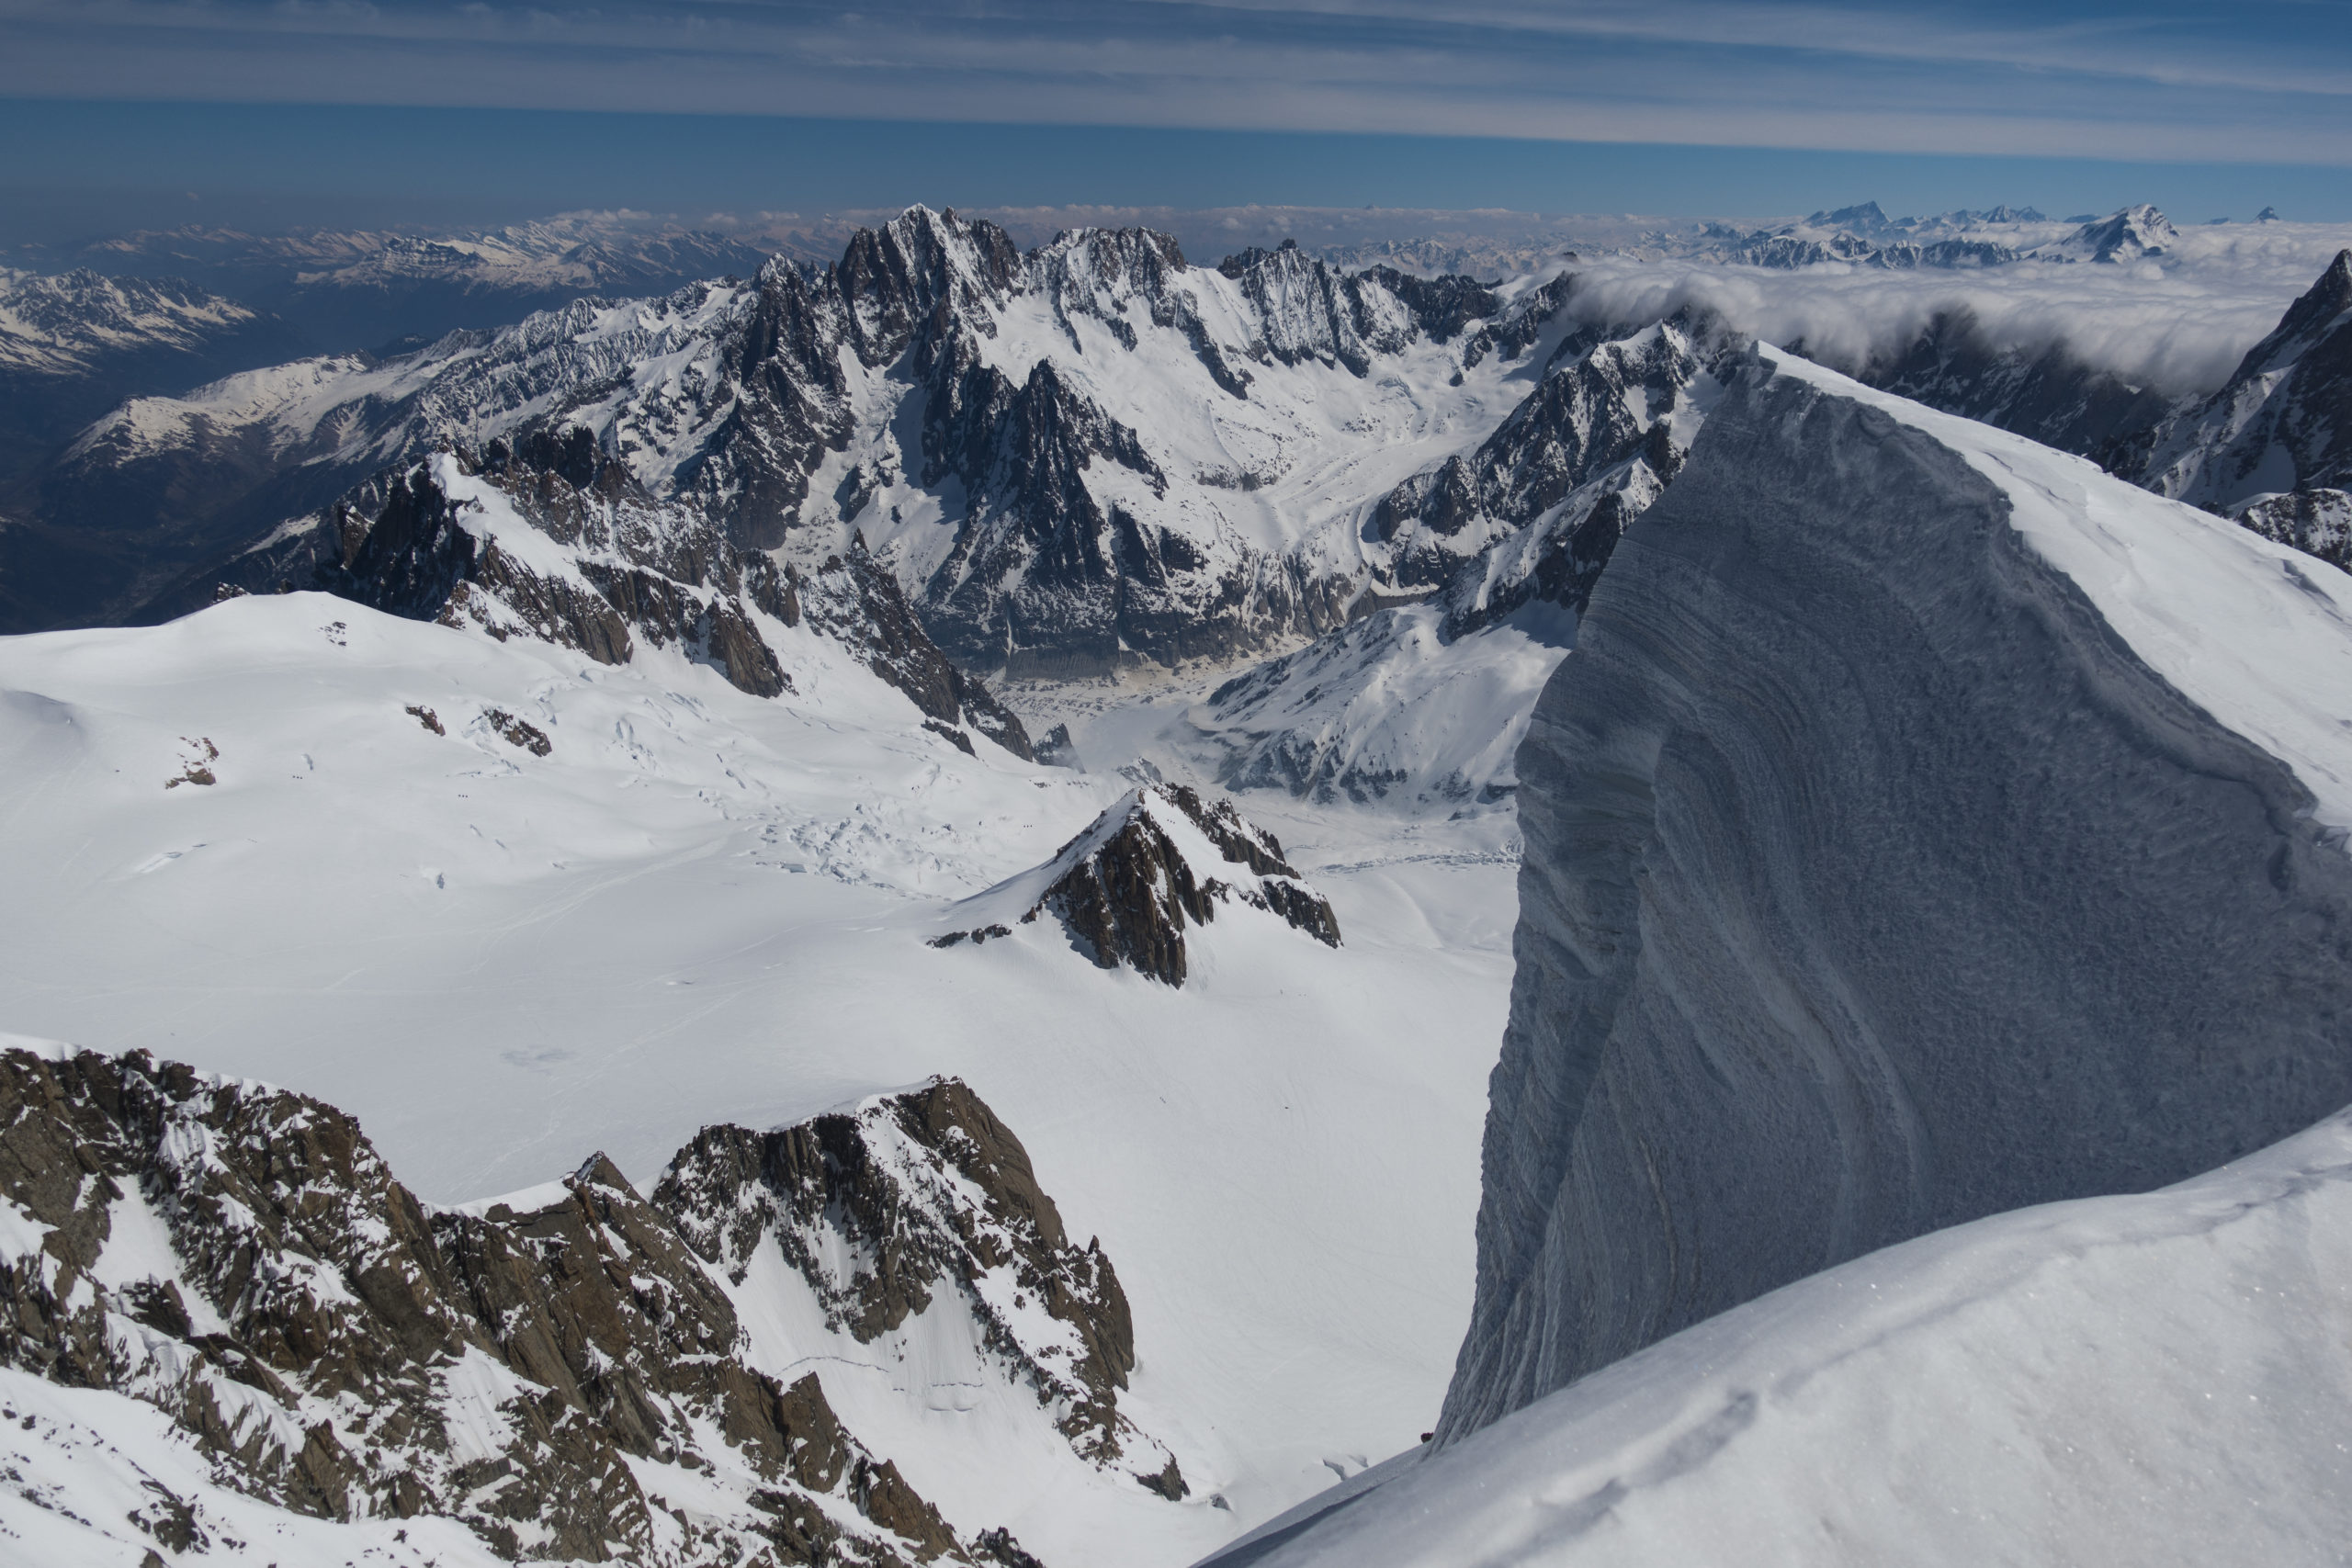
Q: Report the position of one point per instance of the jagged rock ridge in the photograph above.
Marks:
(542, 1370)
(934, 387)
(931, 1203)
(1128, 887)
(553, 538)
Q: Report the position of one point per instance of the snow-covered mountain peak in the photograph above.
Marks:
(2321, 311)
(1125, 890)
(2129, 235)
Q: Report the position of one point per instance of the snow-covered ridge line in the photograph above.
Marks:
(2050, 1385)
(1827, 941)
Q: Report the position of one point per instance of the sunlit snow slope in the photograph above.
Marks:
(2159, 1379)
(701, 906)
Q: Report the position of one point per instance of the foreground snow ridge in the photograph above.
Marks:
(2156, 1378)
(1926, 826)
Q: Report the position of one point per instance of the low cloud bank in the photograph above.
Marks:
(2179, 322)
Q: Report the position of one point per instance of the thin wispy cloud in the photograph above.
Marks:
(2274, 83)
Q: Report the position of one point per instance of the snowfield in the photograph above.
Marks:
(701, 905)
(2158, 1378)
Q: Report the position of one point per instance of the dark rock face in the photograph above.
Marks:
(855, 601)
(403, 550)
(2283, 421)
(499, 1365)
(2316, 522)
(1042, 566)
(2051, 396)
(885, 1186)
(1839, 921)
(1126, 889)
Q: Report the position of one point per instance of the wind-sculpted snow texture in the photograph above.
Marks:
(557, 1372)
(1873, 884)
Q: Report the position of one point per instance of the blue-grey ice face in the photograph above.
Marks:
(1871, 884)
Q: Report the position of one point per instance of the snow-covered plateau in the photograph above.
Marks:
(867, 915)
(236, 841)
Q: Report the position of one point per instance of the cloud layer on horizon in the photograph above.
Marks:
(2266, 82)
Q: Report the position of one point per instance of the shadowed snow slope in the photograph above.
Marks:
(2159, 1379)
(1926, 825)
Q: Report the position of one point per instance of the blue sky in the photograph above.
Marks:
(479, 110)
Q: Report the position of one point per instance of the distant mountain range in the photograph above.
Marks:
(1085, 457)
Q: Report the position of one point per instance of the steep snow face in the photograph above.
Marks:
(1839, 917)
(2158, 1378)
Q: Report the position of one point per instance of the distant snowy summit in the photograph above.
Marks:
(1126, 891)
(1865, 236)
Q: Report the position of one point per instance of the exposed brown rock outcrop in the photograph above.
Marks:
(341, 1351)
(887, 1185)
(1126, 890)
